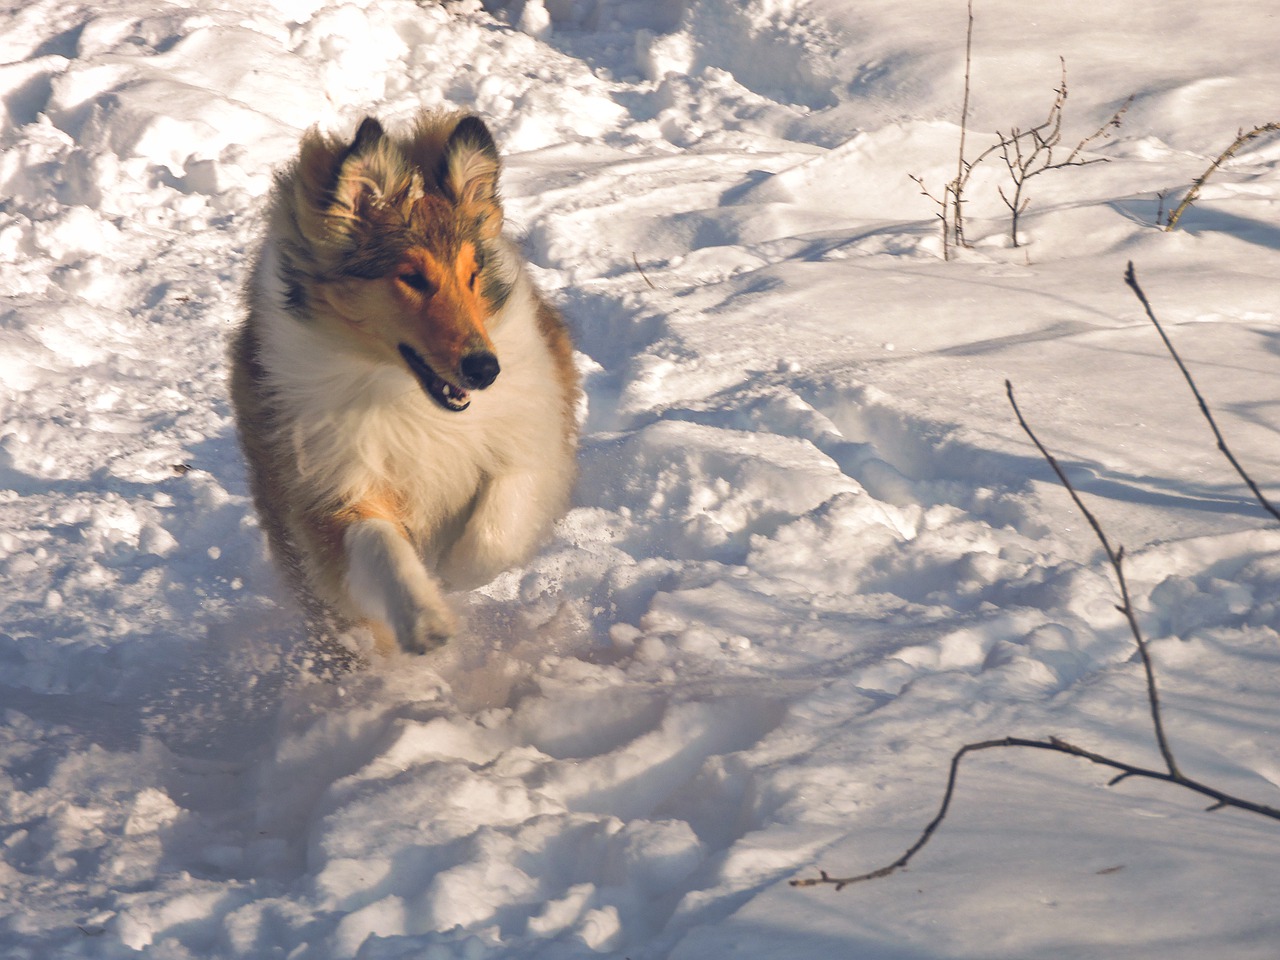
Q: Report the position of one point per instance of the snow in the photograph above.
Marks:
(811, 552)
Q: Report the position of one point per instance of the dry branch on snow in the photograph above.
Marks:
(1192, 194)
(1026, 154)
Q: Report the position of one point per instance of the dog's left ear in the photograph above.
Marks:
(470, 166)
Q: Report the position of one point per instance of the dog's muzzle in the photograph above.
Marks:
(478, 370)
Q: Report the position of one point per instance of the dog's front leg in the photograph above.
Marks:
(510, 515)
(388, 584)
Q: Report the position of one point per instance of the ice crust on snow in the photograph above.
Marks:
(810, 555)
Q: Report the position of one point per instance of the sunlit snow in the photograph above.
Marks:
(810, 555)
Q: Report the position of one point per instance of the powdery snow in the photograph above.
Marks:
(811, 553)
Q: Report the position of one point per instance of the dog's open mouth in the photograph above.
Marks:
(438, 388)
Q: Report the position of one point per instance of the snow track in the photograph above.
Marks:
(810, 554)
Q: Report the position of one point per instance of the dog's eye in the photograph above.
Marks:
(414, 281)
(475, 275)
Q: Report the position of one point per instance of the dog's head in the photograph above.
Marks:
(401, 235)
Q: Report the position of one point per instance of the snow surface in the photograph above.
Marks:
(811, 552)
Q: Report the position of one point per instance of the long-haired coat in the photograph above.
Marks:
(405, 398)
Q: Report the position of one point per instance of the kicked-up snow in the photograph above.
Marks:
(810, 555)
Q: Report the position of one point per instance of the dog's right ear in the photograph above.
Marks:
(340, 183)
(368, 134)
(366, 170)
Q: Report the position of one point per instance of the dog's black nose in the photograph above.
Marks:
(479, 369)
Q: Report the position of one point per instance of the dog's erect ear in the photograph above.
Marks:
(469, 166)
(367, 135)
(339, 188)
(339, 185)
(372, 171)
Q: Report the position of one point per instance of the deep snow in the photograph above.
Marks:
(811, 552)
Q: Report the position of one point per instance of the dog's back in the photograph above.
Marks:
(404, 397)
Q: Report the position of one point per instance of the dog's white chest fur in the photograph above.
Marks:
(360, 427)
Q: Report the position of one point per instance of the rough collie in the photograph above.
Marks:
(404, 397)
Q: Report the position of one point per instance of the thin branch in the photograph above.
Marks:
(1223, 157)
(1055, 745)
(951, 204)
(1113, 121)
(1131, 279)
(962, 167)
(640, 270)
(1116, 557)
(964, 106)
(1029, 153)
(842, 882)
(943, 205)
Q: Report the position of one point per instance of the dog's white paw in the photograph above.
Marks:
(387, 583)
(420, 629)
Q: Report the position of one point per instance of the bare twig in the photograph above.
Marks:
(1115, 555)
(1057, 746)
(1026, 154)
(1227, 154)
(1029, 153)
(640, 270)
(951, 203)
(1131, 279)
(962, 167)
(943, 207)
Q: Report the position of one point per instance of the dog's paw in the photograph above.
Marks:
(422, 629)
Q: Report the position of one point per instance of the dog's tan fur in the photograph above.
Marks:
(389, 455)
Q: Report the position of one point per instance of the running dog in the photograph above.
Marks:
(405, 398)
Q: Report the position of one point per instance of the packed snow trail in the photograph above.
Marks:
(810, 553)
